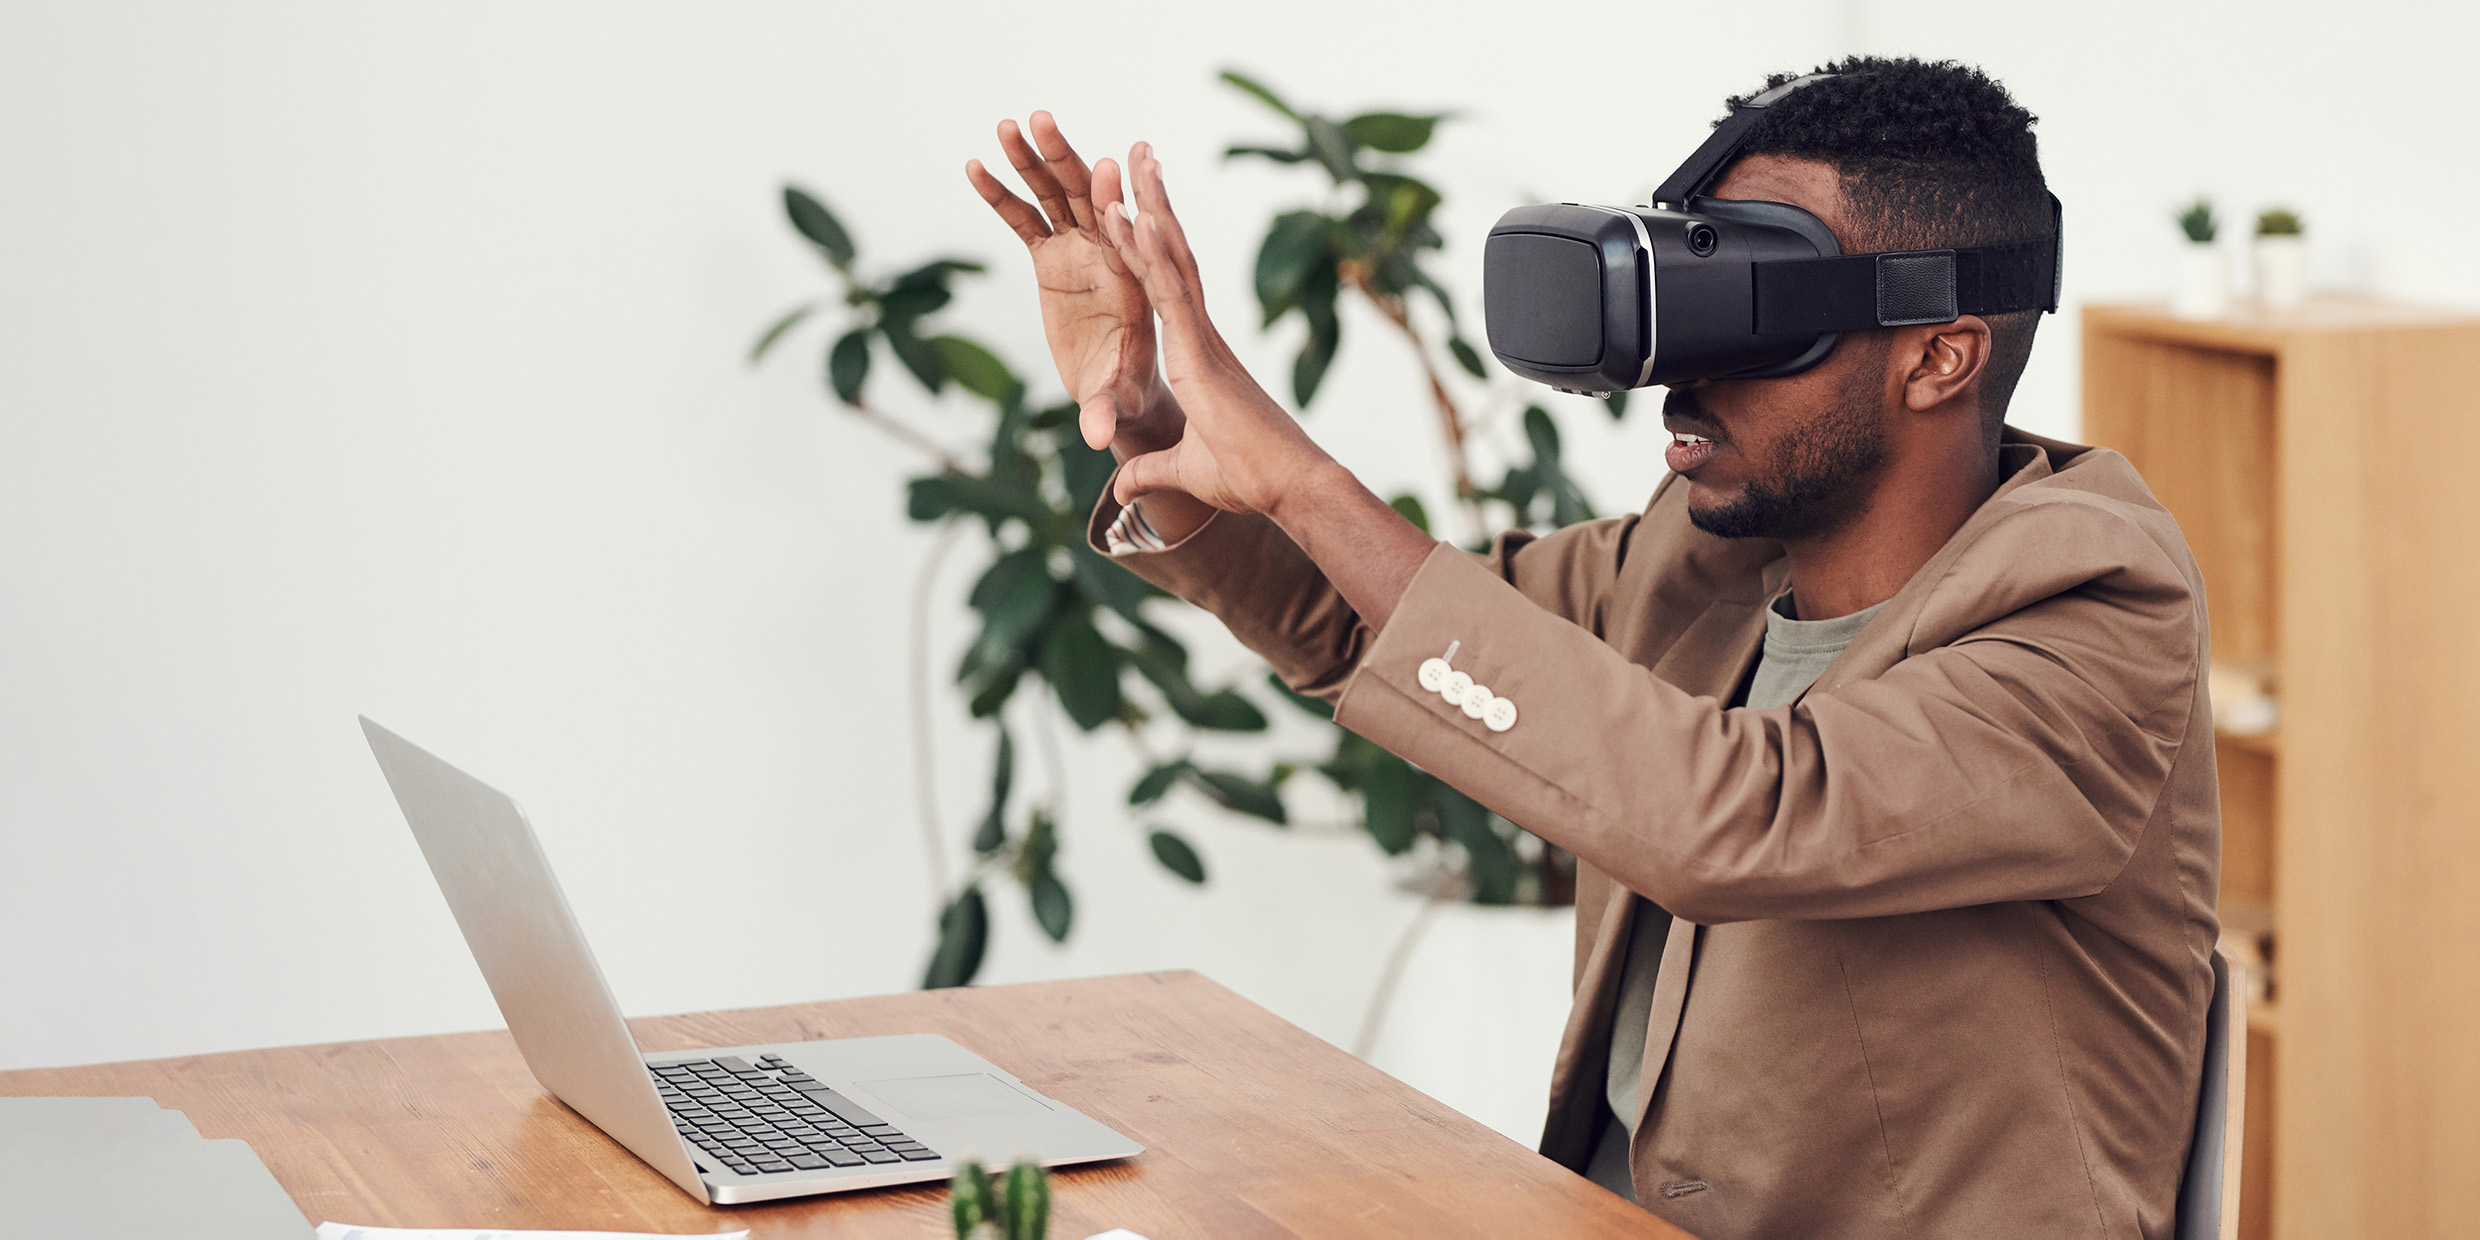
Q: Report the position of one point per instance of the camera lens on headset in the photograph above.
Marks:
(1702, 239)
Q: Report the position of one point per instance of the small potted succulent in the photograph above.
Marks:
(2203, 288)
(2281, 260)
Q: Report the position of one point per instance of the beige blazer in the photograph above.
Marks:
(1943, 925)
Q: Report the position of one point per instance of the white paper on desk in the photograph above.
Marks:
(348, 1231)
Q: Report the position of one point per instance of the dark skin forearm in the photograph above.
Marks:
(1366, 549)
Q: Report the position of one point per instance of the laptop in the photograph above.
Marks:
(736, 1124)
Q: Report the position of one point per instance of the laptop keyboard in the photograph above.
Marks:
(769, 1117)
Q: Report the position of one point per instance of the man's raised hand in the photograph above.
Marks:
(1239, 451)
(1094, 314)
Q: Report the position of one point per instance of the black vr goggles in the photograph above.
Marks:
(1596, 300)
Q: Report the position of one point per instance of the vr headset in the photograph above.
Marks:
(1595, 300)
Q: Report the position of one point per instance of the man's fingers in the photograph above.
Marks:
(1098, 418)
(1117, 226)
(1018, 213)
(1037, 176)
(1155, 198)
(1187, 332)
(1066, 167)
(1138, 475)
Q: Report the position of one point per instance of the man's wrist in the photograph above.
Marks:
(1311, 487)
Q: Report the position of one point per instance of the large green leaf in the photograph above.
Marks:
(1317, 304)
(1083, 670)
(1268, 97)
(1107, 583)
(964, 930)
(993, 499)
(1240, 794)
(1222, 710)
(1295, 246)
(1467, 357)
(792, 318)
(1053, 910)
(1410, 508)
(1391, 794)
(1151, 786)
(848, 365)
(1034, 864)
(1176, 855)
(1084, 470)
(908, 303)
(993, 832)
(997, 685)
(1493, 859)
(1392, 132)
(818, 224)
(1275, 153)
(1334, 148)
(978, 369)
(1309, 369)
(917, 354)
(1016, 596)
(1542, 433)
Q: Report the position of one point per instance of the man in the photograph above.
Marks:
(1880, 736)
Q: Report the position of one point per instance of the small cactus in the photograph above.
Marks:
(984, 1210)
(2197, 221)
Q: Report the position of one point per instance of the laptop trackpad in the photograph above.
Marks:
(967, 1095)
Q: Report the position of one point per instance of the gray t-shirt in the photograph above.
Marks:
(1796, 653)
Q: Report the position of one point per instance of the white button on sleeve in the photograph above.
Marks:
(1434, 673)
(1476, 700)
(1500, 715)
(1457, 684)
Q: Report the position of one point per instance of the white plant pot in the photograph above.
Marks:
(2203, 287)
(2281, 271)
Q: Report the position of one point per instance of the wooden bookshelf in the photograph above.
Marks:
(2324, 464)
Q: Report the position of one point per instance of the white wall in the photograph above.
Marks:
(388, 360)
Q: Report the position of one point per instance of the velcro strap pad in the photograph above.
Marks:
(1916, 287)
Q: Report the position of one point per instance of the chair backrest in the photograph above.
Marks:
(2209, 1192)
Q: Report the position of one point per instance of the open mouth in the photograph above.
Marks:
(1687, 452)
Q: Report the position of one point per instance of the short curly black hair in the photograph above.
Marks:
(1931, 154)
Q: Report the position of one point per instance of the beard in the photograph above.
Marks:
(1813, 483)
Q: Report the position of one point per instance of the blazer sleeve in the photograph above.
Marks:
(2013, 758)
(1249, 574)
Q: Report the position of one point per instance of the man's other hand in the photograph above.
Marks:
(1240, 451)
(1094, 314)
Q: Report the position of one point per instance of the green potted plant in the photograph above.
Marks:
(1082, 634)
(2202, 290)
(2281, 259)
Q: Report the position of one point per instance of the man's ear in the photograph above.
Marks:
(1942, 361)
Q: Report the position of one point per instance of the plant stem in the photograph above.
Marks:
(1365, 1043)
(1450, 419)
(925, 778)
(948, 461)
(1046, 735)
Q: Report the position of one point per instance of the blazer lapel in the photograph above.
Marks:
(1670, 998)
(1584, 1047)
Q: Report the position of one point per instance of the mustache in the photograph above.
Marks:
(1682, 403)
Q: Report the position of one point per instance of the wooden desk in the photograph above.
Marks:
(1253, 1128)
